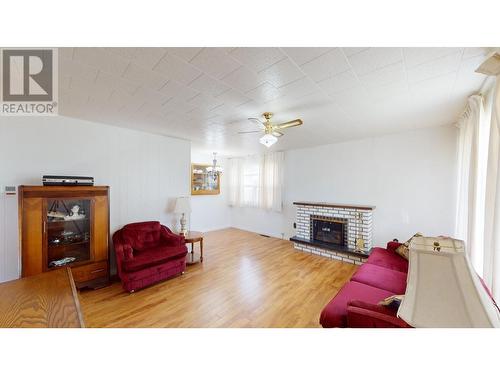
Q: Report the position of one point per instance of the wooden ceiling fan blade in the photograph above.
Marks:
(277, 134)
(289, 124)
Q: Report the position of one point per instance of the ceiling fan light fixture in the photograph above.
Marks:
(268, 140)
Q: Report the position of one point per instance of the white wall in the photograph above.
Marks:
(145, 172)
(409, 176)
(210, 212)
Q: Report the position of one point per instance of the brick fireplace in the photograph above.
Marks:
(337, 231)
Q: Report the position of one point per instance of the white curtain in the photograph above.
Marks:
(492, 204)
(257, 181)
(466, 223)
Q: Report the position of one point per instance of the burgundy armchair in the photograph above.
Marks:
(147, 253)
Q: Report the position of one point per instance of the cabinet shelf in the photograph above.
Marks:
(85, 239)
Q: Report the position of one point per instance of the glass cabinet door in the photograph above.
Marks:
(68, 231)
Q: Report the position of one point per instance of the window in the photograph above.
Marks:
(256, 181)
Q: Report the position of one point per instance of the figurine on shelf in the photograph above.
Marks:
(75, 214)
(61, 262)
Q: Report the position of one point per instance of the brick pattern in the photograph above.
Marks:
(359, 225)
(344, 257)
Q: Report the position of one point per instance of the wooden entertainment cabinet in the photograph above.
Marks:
(65, 226)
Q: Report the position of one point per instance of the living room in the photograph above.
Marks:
(171, 184)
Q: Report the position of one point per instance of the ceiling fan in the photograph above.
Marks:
(271, 131)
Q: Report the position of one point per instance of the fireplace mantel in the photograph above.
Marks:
(334, 205)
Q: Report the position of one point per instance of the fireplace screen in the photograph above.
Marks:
(329, 230)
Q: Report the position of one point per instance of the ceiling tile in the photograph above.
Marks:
(281, 73)
(391, 90)
(327, 65)
(126, 52)
(152, 96)
(474, 52)
(302, 55)
(185, 53)
(385, 75)
(65, 53)
(243, 79)
(264, 93)
(257, 58)
(173, 88)
(374, 58)
(428, 88)
(339, 82)
(301, 87)
(205, 101)
(209, 85)
(433, 88)
(173, 67)
(417, 55)
(215, 62)
(435, 68)
(101, 59)
(148, 58)
(106, 80)
(145, 77)
(349, 51)
(233, 98)
(74, 69)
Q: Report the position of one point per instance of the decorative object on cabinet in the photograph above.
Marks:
(183, 207)
(203, 181)
(65, 226)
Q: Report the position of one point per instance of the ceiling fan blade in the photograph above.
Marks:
(277, 134)
(257, 121)
(251, 131)
(289, 124)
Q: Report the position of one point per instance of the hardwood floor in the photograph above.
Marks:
(245, 280)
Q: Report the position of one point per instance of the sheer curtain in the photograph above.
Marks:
(257, 181)
(492, 205)
(467, 226)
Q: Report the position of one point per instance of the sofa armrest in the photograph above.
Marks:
(366, 315)
(171, 239)
(393, 245)
(123, 251)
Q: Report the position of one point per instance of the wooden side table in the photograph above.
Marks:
(192, 237)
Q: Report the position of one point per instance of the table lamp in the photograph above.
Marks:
(183, 207)
(443, 290)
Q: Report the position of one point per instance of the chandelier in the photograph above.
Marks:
(214, 171)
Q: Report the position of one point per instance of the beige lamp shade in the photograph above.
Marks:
(182, 205)
(443, 290)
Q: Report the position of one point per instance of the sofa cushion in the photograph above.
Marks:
(153, 256)
(388, 259)
(144, 238)
(380, 277)
(404, 249)
(335, 312)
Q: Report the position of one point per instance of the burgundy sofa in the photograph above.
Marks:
(147, 253)
(356, 304)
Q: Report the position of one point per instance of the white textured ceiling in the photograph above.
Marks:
(206, 94)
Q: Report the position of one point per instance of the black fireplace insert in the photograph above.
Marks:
(329, 230)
